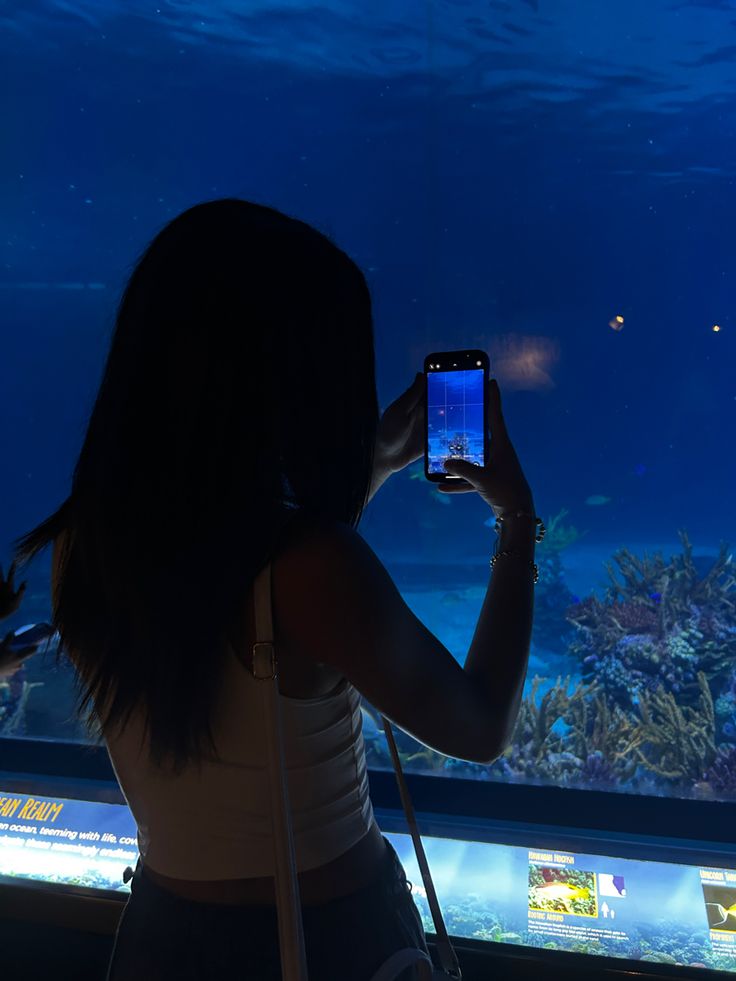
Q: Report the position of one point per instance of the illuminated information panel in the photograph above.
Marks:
(74, 842)
(596, 904)
(640, 910)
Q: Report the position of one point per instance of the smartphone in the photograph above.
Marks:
(26, 640)
(456, 394)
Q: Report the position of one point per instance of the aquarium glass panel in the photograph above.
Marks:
(551, 183)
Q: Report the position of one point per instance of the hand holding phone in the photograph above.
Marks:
(501, 483)
(463, 409)
(400, 436)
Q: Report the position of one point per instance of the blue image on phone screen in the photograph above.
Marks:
(455, 418)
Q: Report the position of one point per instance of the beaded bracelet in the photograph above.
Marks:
(512, 551)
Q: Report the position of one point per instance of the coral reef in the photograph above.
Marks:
(658, 686)
(720, 777)
(581, 739)
(660, 627)
(537, 751)
(654, 710)
(725, 709)
(571, 738)
(674, 742)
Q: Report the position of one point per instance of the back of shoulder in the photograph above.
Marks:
(315, 539)
(335, 603)
(320, 547)
(325, 583)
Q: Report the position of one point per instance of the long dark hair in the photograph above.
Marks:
(239, 391)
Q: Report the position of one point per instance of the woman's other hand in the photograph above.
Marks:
(400, 438)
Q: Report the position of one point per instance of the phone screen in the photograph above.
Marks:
(455, 417)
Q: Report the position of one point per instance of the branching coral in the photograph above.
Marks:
(533, 735)
(557, 738)
(604, 738)
(674, 587)
(674, 742)
(577, 738)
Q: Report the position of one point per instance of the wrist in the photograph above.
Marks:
(523, 505)
(517, 527)
(519, 539)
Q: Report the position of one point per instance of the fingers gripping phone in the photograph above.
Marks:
(456, 395)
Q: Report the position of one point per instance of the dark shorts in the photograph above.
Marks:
(162, 936)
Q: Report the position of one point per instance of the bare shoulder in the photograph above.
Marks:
(336, 603)
(319, 542)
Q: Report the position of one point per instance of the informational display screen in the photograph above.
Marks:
(537, 897)
(52, 839)
(533, 896)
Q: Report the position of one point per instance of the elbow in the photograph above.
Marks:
(495, 753)
(498, 745)
(502, 734)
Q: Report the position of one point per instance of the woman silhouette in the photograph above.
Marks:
(242, 339)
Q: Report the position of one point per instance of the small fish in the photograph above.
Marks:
(562, 892)
(416, 472)
(597, 499)
(655, 596)
(452, 599)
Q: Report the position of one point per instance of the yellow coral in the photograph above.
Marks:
(676, 742)
(535, 721)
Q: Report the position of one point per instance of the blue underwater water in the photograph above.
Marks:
(550, 181)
